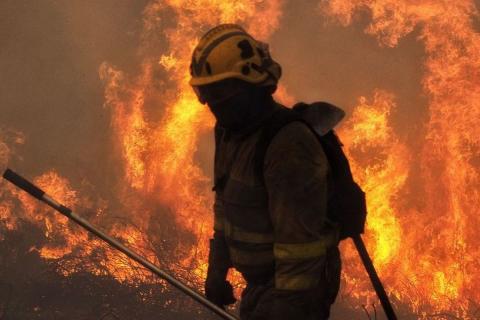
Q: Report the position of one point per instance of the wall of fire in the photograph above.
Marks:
(95, 106)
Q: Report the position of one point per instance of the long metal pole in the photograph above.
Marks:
(372, 273)
(36, 192)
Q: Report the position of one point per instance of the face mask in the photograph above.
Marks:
(235, 112)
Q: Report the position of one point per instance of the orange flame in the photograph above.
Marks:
(436, 269)
(160, 155)
(8, 141)
(427, 253)
(382, 176)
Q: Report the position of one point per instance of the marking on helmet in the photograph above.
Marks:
(197, 67)
(261, 53)
(245, 70)
(247, 49)
(257, 68)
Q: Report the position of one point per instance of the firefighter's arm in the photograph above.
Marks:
(217, 289)
(295, 172)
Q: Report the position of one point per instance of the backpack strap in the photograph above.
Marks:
(280, 118)
(319, 117)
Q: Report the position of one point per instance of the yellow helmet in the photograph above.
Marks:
(228, 51)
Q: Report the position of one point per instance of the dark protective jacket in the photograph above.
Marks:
(274, 226)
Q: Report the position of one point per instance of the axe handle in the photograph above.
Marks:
(372, 273)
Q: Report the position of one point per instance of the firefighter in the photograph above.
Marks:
(270, 219)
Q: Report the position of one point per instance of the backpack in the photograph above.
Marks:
(346, 205)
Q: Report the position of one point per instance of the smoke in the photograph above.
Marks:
(51, 52)
(50, 89)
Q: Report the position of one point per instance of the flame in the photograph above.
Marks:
(434, 263)
(159, 156)
(382, 176)
(68, 243)
(283, 96)
(156, 126)
(425, 251)
(9, 140)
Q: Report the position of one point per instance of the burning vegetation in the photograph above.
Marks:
(422, 228)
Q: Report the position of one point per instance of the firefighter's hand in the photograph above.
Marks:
(219, 291)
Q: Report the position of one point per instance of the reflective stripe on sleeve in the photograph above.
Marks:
(307, 250)
(238, 234)
(297, 282)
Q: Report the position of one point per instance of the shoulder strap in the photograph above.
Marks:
(332, 146)
(281, 118)
(271, 127)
